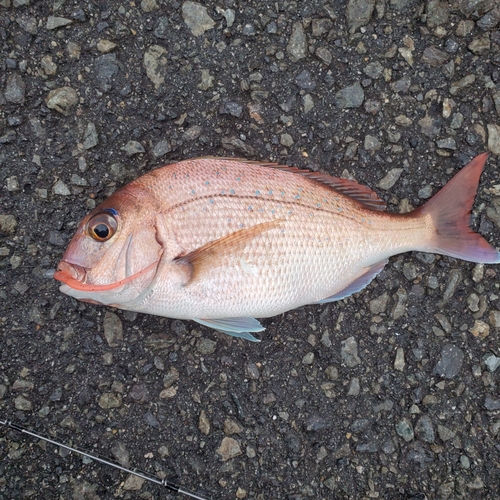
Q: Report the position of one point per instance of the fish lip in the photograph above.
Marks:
(74, 276)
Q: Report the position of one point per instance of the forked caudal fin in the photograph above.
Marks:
(450, 210)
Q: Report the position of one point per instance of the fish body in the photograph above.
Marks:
(223, 241)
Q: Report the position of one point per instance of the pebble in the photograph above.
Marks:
(461, 84)
(12, 184)
(359, 13)
(489, 403)
(149, 5)
(444, 433)
(490, 20)
(494, 138)
(90, 139)
(491, 361)
(60, 188)
(161, 149)
(232, 427)
(133, 483)
(379, 304)
(349, 352)
(113, 329)
(62, 99)
(133, 148)
(430, 126)
(448, 143)
(48, 65)
(399, 362)
(229, 448)
(15, 89)
(308, 359)
(286, 140)
(480, 46)
(207, 80)
(350, 97)
(372, 143)
(405, 429)
(450, 362)
(324, 55)
(390, 178)
(424, 429)
(480, 329)
(373, 70)
(231, 108)
(109, 400)
(196, 18)
(354, 387)
(401, 85)
(204, 423)
(121, 454)
(297, 44)
(205, 346)
(434, 57)
(455, 277)
(155, 64)
(304, 81)
(104, 46)
(315, 423)
(54, 22)
(22, 403)
(106, 67)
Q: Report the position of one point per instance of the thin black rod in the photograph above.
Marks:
(162, 482)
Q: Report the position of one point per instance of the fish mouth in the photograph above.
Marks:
(74, 276)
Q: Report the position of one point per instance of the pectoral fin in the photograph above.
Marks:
(358, 284)
(236, 327)
(211, 254)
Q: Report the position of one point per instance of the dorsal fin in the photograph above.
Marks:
(346, 187)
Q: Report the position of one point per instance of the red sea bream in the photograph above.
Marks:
(224, 241)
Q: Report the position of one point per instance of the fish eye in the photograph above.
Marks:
(102, 226)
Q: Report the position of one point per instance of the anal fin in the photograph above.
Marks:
(235, 327)
(357, 285)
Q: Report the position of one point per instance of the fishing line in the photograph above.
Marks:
(162, 482)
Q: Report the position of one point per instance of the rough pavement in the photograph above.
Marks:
(392, 393)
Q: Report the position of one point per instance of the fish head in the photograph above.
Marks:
(114, 253)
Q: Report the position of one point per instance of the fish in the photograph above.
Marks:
(224, 241)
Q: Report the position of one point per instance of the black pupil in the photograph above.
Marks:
(101, 231)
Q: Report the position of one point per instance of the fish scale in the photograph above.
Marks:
(223, 241)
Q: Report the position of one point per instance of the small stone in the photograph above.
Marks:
(324, 55)
(372, 143)
(109, 400)
(491, 361)
(54, 22)
(350, 97)
(401, 85)
(461, 84)
(232, 427)
(494, 138)
(349, 352)
(390, 179)
(430, 126)
(480, 329)
(286, 140)
(399, 362)
(297, 44)
(489, 403)
(155, 64)
(62, 99)
(321, 26)
(12, 184)
(241, 493)
(450, 362)
(304, 81)
(406, 54)
(196, 18)
(434, 57)
(113, 329)
(133, 148)
(424, 429)
(169, 393)
(60, 188)
(90, 139)
(229, 448)
(308, 103)
(354, 387)
(373, 70)
(207, 80)
(133, 483)
(448, 143)
(205, 346)
(480, 46)
(161, 149)
(405, 430)
(204, 423)
(74, 50)
(373, 106)
(379, 304)
(121, 454)
(400, 306)
(359, 13)
(494, 318)
(15, 89)
(444, 433)
(22, 403)
(231, 108)
(105, 46)
(49, 66)
(403, 121)
(149, 5)
(308, 359)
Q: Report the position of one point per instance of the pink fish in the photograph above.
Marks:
(222, 241)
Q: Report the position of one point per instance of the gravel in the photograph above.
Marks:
(390, 393)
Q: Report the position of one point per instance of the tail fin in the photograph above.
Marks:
(450, 210)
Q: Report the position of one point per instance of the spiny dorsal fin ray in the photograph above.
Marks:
(346, 187)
